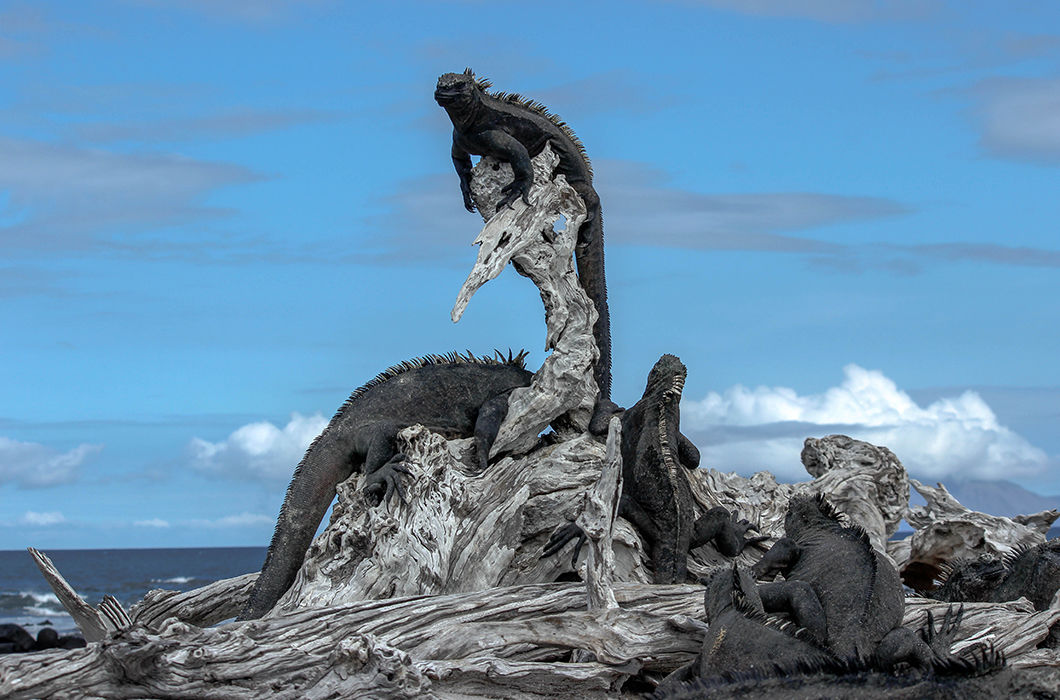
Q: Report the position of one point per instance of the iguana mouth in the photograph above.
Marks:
(677, 387)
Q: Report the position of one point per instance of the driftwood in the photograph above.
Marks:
(865, 482)
(505, 641)
(525, 235)
(445, 594)
(946, 531)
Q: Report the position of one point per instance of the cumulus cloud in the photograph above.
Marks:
(744, 429)
(32, 465)
(258, 450)
(35, 519)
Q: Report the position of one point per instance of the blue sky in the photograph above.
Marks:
(219, 218)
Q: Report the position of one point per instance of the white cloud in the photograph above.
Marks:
(62, 196)
(32, 465)
(1020, 118)
(42, 519)
(258, 450)
(153, 522)
(747, 430)
(241, 520)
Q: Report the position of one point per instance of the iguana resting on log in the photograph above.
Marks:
(1031, 572)
(741, 638)
(513, 129)
(455, 395)
(742, 642)
(844, 592)
(656, 493)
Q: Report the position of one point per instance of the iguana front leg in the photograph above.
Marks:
(385, 482)
(382, 451)
(488, 422)
(779, 559)
(799, 599)
(687, 452)
(504, 146)
(462, 163)
(724, 530)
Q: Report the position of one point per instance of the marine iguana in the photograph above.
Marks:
(741, 638)
(455, 395)
(1029, 572)
(742, 643)
(513, 129)
(656, 493)
(832, 568)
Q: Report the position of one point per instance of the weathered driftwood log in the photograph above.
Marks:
(525, 236)
(865, 482)
(946, 531)
(202, 607)
(95, 623)
(346, 650)
(507, 642)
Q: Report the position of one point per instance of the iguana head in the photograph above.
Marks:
(666, 380)
(456, 90)
(970, 580)
(810, 512)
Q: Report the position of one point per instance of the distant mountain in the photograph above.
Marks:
(999, 497)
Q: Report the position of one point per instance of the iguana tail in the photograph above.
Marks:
(312, 489)
(590, 259)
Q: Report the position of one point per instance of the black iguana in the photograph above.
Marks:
(513, 129)
(740, 637)
(455, 395)
(1031, 572)
(656, 492)
(844, 592)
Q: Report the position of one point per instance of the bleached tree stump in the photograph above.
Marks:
(525, 235)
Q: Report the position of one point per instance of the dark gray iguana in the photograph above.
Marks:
(742, 644)
(656, 492)
(845, 593)
(513, 129)
(741, 638)
(455, 395)
(1030, 572)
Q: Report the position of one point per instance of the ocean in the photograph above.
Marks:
(127, 574)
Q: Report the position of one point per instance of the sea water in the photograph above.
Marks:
(127, 574)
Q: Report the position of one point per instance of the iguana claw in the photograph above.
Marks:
(512, 191)
(385, 482)
(561, 537)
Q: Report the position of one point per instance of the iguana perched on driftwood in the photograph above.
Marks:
(845, 593)
(1030, 572)
(741, 638)
(743, 643)
(513, 129)
(656, 492)
(455, 395)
